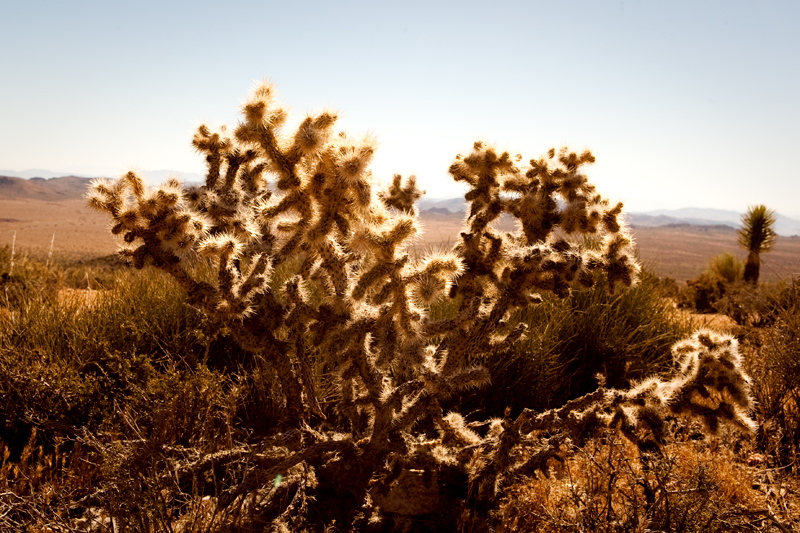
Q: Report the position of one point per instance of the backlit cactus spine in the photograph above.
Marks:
(306, 202)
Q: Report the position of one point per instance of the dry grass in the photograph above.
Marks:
(694, 486)
(80, 298)
(716, 321)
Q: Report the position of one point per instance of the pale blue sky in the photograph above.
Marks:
(684, 103)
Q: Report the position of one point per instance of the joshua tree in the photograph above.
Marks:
(756, 236)
(355, 301)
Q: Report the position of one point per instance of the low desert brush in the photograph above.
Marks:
(608, 486)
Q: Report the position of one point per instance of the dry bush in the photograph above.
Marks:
(608, 486)
(773, 359)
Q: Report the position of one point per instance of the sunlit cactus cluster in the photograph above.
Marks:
(708, 383)
(356, 301)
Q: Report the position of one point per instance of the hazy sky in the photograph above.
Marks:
(684, 103)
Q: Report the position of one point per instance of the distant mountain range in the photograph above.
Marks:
(694, 216)
(49, 189)
(153, 177)
(52, 188)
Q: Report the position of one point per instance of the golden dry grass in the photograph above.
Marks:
(80, 298)
(716, 321)
(696, 482)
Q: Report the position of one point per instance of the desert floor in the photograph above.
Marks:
(679, 252)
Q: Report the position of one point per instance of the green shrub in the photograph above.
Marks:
(575, 343)
(727, 267)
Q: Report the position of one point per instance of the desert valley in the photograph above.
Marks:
(37, 212)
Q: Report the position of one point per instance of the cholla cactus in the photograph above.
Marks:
(356, 301)
(709, 384)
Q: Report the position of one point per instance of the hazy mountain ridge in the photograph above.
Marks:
(32, 173)
(697, 216)
(692, 216)
(52, 189)
(63, 187)
(153, 177)
(439, 205)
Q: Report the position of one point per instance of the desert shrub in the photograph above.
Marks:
(727, 267)
(66, 477)
(27, 281)
(706, 292)
(607, 486)
(667, 287)
(748, 305)
(702, 293)
(144, 313)
(576, 342)
(67, 364)
(102, 273)
(356, 347)
(128, 365)
(22, 278)
(773, 346)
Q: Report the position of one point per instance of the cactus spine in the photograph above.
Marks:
(357, 301)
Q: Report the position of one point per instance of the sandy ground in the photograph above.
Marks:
(683, 252)
(677, 252)
(75, 231)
